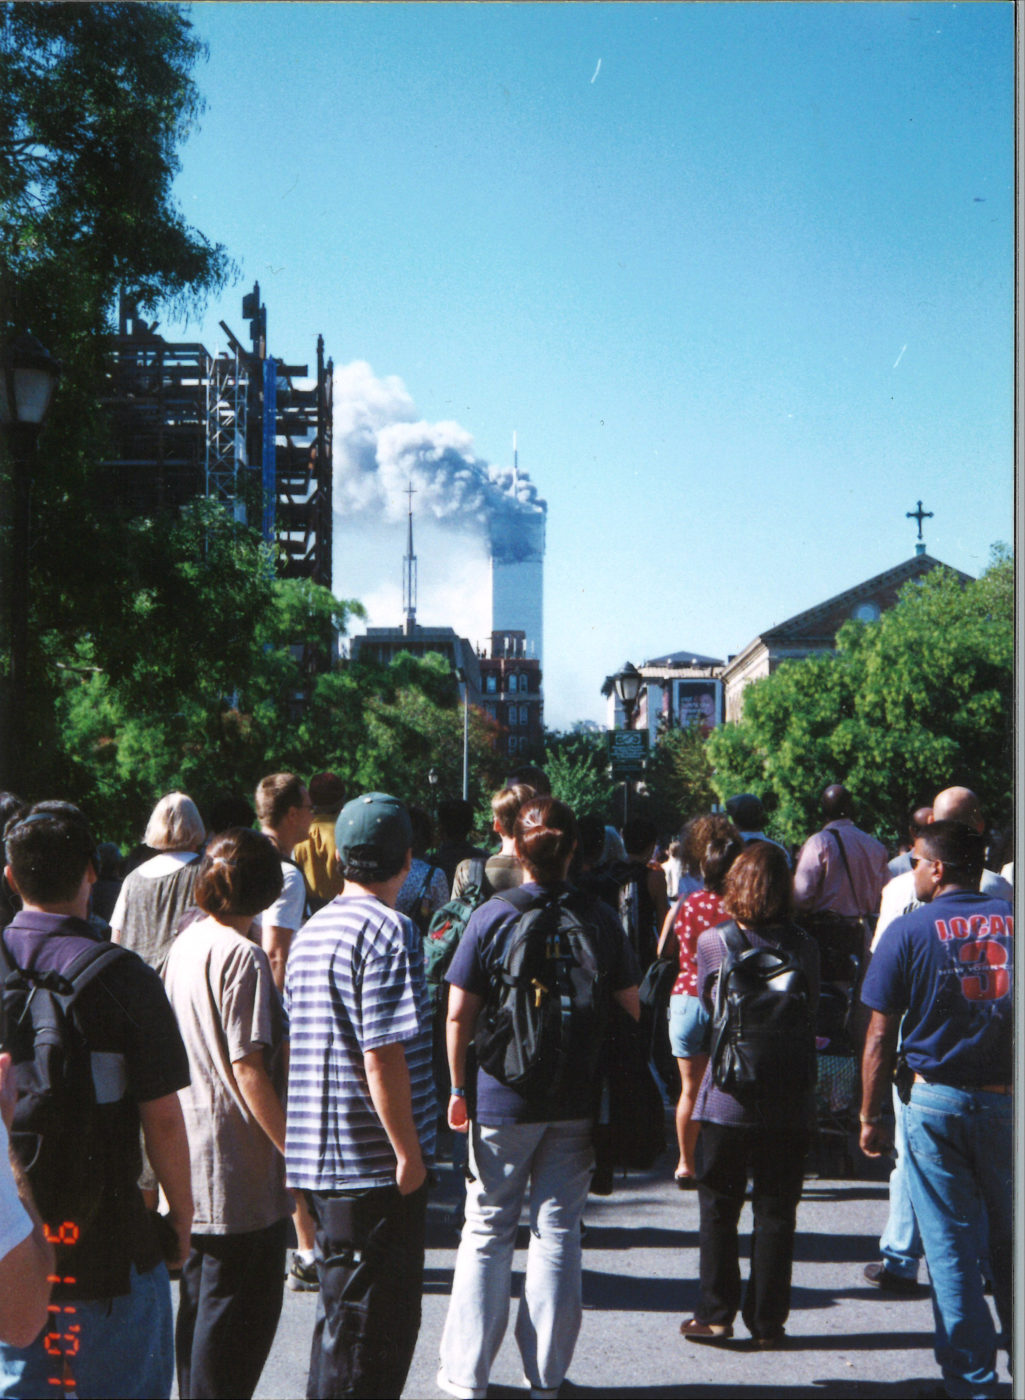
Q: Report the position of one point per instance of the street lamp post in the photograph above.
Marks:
(463, 680)
(28, 377)
(627, 683)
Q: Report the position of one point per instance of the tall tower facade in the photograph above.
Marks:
(517, 579)
(517, 571)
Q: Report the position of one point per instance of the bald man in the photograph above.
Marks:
(953, 804)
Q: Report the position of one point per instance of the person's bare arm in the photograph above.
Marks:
(25, 1271)
(877, 1064)
(167, 1147)
(463, 1010)
(26, 1276)
(629, 998)
(254, 1084)
(658, 892)
(668, 943)
(388, 1082)
(276, 943)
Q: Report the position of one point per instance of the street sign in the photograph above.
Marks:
(628, 748)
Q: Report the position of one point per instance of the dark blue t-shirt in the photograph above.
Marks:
(473, 969)
(949, 965)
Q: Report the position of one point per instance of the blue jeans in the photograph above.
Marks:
(959, 1175)
(555, 1161)
(901, 1243)
(123, 1348)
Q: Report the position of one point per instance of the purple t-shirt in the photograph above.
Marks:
(948, 966)
(473, 969)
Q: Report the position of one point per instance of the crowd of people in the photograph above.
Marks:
(278, 1054)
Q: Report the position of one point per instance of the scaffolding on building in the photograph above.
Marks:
(185, 423)
(227, 409)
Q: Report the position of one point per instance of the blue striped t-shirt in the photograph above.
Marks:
(355, 982)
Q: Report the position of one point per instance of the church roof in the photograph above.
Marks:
(822, 622)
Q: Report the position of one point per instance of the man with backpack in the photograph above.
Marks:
(76, 1131)
(643, 902)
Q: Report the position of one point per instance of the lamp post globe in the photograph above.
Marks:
(28, 377)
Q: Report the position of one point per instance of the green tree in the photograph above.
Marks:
(907, 705)
(94, 102)
(577, 765)
(678, 780)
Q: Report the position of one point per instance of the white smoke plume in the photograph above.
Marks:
(381, 448)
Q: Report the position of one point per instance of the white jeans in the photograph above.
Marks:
(556, 1160)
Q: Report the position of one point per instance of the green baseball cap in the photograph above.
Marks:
(373, 833)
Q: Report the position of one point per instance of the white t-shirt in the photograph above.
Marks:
(289, 909)
(15, 1223)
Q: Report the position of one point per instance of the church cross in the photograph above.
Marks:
(919, 515)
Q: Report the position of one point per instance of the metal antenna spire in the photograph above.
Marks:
(409, 571)
(516, 463)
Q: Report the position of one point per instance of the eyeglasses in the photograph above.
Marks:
(916, 861)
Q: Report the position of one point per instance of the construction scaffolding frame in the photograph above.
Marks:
(227, 409)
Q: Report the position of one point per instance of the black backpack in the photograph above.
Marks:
(57, 1133)
(544, 1022)
(763, 1032)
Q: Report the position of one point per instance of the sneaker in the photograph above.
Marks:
(302, 1278)
(461, 1392)
(696, 1331)
(879, 1276)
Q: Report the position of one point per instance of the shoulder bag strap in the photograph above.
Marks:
(846, 866)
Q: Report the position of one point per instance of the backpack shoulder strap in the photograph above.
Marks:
(90, 963)
(733, 938)
(520, 899)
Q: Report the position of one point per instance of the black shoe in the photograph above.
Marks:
(302, 1278)
(879, 1276)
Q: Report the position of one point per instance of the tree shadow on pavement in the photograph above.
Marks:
(823, 1388)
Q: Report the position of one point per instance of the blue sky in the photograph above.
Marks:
(740, 276)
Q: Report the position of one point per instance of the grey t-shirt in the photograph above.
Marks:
(152, 901)
(220, 986)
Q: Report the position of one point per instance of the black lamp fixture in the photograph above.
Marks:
(28, 377)
(628, 682)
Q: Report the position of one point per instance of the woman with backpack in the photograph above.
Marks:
(689, 1020)
(567, 954)
(759, 1124)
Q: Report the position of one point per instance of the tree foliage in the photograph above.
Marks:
(678, 780)
(577, 765)
(94, 103)
(908, 705)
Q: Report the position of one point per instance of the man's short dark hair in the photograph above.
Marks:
(591, 835)
(961, 849)
(455, 817)
(49, 849)
(277, 794)
(746, 811)
(638, 834)
(530, 775)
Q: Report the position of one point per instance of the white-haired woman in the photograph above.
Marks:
(157, 893)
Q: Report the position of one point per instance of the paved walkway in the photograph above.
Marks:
(640, 1281)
